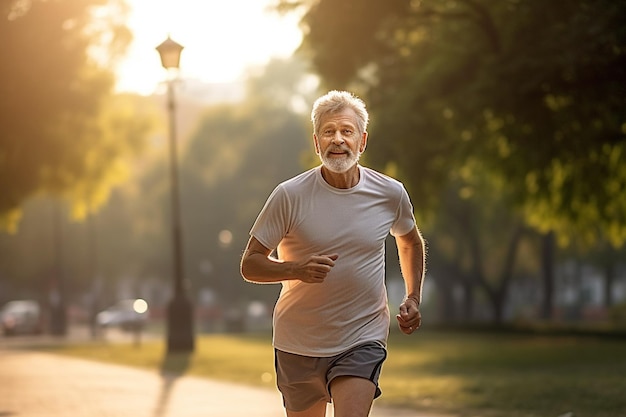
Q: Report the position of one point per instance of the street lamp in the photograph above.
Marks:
(180, 333)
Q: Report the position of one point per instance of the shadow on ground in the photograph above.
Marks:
(174, 365)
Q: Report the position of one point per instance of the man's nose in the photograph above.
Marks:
(337, 138)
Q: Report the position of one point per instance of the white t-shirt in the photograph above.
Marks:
(306, 216)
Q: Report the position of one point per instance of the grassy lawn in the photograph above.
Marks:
(469, 374)
(507, 374)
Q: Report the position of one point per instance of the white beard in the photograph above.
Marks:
(339, 165)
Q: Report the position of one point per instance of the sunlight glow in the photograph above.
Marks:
(222, 39)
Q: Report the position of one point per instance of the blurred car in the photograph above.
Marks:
(21, 317)
(130, 314)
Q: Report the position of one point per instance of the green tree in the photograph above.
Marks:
(88, 231)
(62, 134)
(476, 242)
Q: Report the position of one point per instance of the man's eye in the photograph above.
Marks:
(329, 133)
(347, 132)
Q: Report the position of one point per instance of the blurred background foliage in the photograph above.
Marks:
(63, 132)
(506, 119)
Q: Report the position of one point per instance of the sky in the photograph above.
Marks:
(221, 40)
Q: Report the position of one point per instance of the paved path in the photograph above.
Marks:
(38, 384)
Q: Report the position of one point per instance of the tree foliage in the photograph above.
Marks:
(63, 133)
(535, 91)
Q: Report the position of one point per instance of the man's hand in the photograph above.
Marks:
(409, 318)
(315, 269)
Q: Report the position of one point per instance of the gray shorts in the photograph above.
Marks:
(305, 381)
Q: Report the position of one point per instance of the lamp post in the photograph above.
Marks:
(180, 328)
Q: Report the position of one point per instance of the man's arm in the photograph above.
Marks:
(258, 266)
(411, 250)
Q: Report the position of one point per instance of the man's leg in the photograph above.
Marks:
(318, 410)
(352, 396)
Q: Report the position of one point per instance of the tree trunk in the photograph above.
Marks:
(501, 293)
(609, 278)
(547, 269)
(446, 301)
(468, 300)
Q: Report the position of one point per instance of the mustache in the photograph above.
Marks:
(338, 149)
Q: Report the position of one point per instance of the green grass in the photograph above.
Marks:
(507, 374)
(469, 374)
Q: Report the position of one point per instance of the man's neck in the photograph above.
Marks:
(343, 180)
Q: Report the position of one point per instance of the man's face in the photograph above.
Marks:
(338, 142)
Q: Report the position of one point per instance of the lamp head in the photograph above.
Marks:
(170, 53)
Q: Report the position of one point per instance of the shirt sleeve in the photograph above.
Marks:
(273, 221)
(405, 221)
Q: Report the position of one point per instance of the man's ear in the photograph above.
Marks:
(363, 143)
(316, 143)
